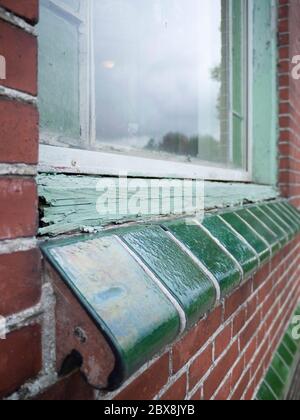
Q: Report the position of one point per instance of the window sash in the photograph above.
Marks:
(143, 166)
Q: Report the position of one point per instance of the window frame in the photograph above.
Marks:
(57, 159)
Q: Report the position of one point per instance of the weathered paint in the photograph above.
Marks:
(264, 103)
(68, 203)
(129, 307)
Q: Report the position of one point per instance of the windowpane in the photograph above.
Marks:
(59, 76)
(166, 78)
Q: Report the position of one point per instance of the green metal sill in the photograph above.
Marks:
(145, 285)
(278, 380)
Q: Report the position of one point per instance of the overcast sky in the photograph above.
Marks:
(153, 61)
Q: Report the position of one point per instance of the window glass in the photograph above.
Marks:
(154, 78)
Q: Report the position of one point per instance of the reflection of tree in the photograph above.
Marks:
(204, 147)
(216, 75)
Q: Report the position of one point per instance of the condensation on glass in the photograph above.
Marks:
(163, 79)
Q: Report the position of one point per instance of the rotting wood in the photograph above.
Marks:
(69, 203)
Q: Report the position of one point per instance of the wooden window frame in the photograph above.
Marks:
(54, 158)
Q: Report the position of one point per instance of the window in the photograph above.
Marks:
(154, 88)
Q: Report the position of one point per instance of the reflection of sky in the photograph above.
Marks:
(153, 62)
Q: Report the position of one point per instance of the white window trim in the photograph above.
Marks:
(56, 159)
(66, 160)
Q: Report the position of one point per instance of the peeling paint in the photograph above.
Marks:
(69, 203)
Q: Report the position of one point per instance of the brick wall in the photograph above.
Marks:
(289, 143)
(226, 355)
(20, 260)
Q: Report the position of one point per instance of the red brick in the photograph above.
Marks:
(20, 51)
(222, 341)
(177, 392)
(20, 359)
(261, 276)
(220, 371)
(20, 281)
(224, 391)
(18, 132)
(237, 372)
(249, 331)
(27, 9)
(71, 388)
(237, 299)
(283, 12)
(149, 383)
(196, 338)
(200, 366)
(197, 396)
(239, 322)
(18, 210)
(284, 25)
(241, 388)
(250, 392)
(249, 354)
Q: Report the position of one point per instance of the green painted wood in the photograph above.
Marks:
(184, 279)
(238, 83)
(241, 227)
(68, 203)
(238, 248)
(264, 92)
(208, 253)
(261, 230)
(131, 309)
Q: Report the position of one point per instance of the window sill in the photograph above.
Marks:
(145, 285)
(69, 202)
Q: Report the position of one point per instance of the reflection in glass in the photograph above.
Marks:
(161, 77)
(153, 78)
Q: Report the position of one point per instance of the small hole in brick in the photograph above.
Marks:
(71, 363)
